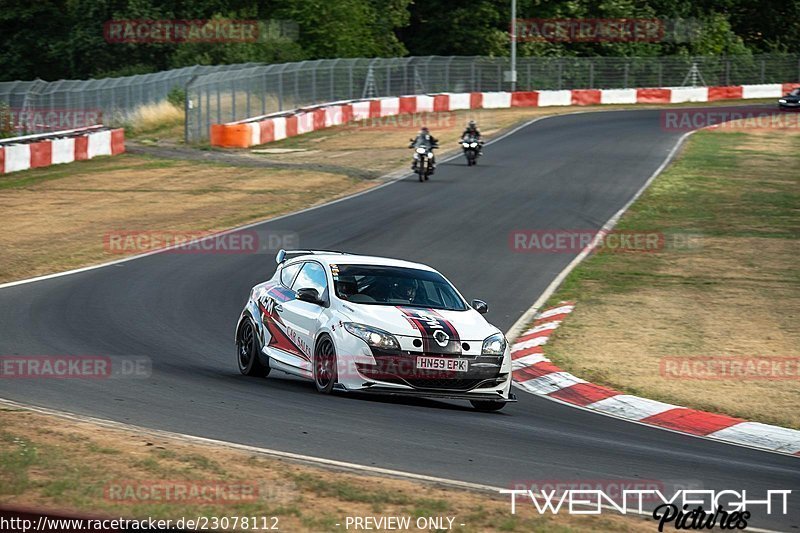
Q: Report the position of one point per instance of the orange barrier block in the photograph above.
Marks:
(724, 93)
(441, 102)
(267, 128)
(585, 97)
(653, 96)
(117, 141)
(475, 100)
(41, 154)
(408, 104)
(81, 148)
(374, 109)
(291, 126)
(524, 99)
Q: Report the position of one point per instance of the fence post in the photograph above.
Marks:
(314, 84)
(472, 75)
(591, 74)
(187, 107)
(530, 83)
(627, 69)
(280, 90)
(233, 101)
(264, 94)
(763, 66)
(727, 71)
(219, 107)
(350, 76)
(560, 73)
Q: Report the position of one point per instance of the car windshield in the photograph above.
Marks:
(385, 285)
(795, 92)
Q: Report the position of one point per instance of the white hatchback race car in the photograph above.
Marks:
(372, 324)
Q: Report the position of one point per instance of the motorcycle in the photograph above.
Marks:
(423, 156)
(471, 146)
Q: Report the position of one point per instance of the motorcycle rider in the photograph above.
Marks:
(472, 131)
(424, 139)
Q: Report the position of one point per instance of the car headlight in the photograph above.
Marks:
(782, 101)
(373, 336)
(474, 145)
(494, 345)
(421, 150)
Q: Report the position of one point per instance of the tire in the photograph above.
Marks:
(487, 406)
(325, 370)
(421, 171)
(247, 350)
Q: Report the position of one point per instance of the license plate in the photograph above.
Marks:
(442, 363)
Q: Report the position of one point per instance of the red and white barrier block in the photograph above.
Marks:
(266, 129)
(36, 151)
(534, 373)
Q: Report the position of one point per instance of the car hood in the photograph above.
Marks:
(418, 322)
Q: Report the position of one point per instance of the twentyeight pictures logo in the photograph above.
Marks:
(683, 509)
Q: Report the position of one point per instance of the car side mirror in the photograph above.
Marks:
(309, 295)
(480, 306)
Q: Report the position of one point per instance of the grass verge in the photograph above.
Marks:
(726, 284)
(49, 463)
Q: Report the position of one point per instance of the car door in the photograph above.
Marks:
(280, 345)
(302, 318)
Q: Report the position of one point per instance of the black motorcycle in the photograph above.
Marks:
(472, 149)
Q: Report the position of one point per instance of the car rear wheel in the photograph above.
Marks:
(487, 406)
(325, 373)
(247, 350)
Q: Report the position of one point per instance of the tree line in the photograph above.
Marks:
(70, 39)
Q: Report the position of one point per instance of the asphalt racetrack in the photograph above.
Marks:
(567, 172)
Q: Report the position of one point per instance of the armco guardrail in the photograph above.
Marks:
(269, 128)
(36, 151)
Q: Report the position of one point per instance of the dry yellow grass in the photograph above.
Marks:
(49, 463)
(56, 218)
(735, 295)
(160, 117)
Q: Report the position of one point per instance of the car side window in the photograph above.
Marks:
(312, 275)
(288, 272)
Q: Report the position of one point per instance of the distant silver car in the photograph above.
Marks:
(372, 324)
